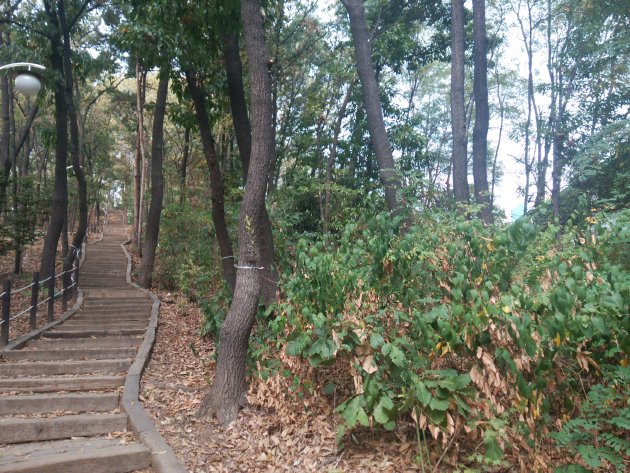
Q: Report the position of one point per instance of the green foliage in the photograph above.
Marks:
(599, 435)
(437, 322)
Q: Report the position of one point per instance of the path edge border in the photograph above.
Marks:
(163, 459)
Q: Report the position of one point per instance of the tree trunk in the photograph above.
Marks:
(228, 390)
(141, 83)
(216, 179)
(458, 108)
(5, 155)
(372, 102)
(157, 183)
(243, 132)
(184, 167)
(74, 136)
(331, 158)
(59, 201)
(482, 112)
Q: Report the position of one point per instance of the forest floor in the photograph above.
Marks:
(284, 428)
(276, 432)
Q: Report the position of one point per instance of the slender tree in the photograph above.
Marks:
(157, 182)
(242, 130)
(74, 131)
(372, 102)
(59, 202)
(458, 107)
(216, 178)
(228, 390)
(482, 110)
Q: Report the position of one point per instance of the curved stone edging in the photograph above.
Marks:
(163, 459)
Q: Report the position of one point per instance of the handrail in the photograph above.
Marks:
(69, 285)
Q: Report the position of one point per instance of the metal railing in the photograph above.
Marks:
(69, 278)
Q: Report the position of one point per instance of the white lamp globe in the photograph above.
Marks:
(28, 84)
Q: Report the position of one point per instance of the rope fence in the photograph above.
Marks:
(68, 278)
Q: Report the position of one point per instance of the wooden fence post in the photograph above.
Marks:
(34, 300)
(77, 260)
(6, 306)
(64, 290)
(51, 298)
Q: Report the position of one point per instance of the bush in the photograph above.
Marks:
(456, 325)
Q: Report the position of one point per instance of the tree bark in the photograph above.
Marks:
(5, 155)
(59, 201)
(372, 102)
(74, 136)
(141, 82)
(216, 179)
(228, 390)
(331, 158)
(482, 111)
(157, 183)
(184, 167)
(458, 107)
(243, 132)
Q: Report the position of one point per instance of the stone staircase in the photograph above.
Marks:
(61, 394)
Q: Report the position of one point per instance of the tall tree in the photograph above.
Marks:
(74, 129)
(482, 110)
(228, 390)
(157, 182)
(458, 106)
(372, 102)
(242, 130)
(60, 194)
(216, 178)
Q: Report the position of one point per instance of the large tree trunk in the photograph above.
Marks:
(5, 154)
(372, 102)
(458, 107)
(59, 202)
(216, 179)
(157, 183)
(243, 132)
(482, 111)
(74, 136)
(228, 390)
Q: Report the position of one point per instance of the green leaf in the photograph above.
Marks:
(397, 356)
(362, 417)
(376, 340)
(381, 415)
(422, 393)
(439, 404)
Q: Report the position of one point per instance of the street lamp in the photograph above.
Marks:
(26, 82)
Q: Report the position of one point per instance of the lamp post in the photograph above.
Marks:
(26, 82)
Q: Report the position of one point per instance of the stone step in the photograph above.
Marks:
(110, 318)
(99, 325)
(97, 322)
(75, 456)
(50, 384)
(69, 354)
(93, 343)
(52, 368)
(74, 402)
(38, 429)
(113, 311)
(60, 333)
